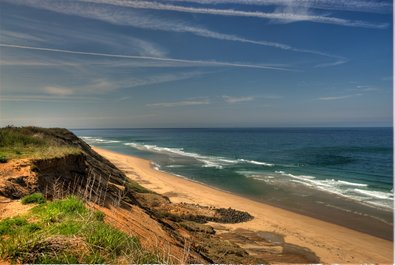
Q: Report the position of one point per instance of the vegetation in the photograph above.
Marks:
(33, 198)
(30, 142)
(65, 231)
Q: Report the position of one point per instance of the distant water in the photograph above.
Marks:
(347, 170)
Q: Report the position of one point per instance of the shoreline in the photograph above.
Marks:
(332, 243)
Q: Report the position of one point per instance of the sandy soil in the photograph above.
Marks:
(10, 208)
(332, 243)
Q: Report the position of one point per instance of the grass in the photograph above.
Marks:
(31, 142)
(33, 198)
(65, 231)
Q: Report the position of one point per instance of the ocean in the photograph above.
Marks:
(341, 175)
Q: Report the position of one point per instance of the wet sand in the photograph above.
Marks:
(331, 242)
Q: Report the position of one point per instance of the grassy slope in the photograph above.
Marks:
(61, 231)
(30, 142)
(65, 231)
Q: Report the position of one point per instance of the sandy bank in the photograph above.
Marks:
(332, 243)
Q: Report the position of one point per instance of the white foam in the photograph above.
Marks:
(208, 161)
(352, 183)
(93, 140)
(256, 162)
(346, 189)
(376, 194)
(155, 166)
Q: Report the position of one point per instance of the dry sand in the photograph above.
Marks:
(332, 243)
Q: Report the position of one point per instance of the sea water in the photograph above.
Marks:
(343, 175)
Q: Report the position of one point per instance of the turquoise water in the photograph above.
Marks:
(302, 169)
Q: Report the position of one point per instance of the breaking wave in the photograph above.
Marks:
(208, 161)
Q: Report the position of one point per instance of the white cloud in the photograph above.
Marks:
(338, 62)
(18, 36)
(232, 100)
(59, 91)
(189, 102)
(45, 98)
(17, 62)
(366, 88)
(194, 62)
(130, 17)
(343, 5)
(340, 97)
(288, 17)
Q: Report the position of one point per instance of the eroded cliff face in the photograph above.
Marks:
(73, 174)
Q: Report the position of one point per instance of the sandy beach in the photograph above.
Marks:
(332, 243)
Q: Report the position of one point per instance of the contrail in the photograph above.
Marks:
(292, 17)
(342, 5)
(197, 62)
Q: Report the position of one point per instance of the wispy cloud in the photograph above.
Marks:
(340, 97)
(100, 86)
(195, 62)
(288, 17)
(342, 5)
(17, 62)
(59, 91)
(335, 63)
(46, 98)
(129, 17)
(189, 102)
(365, 88)
(232, 100)
(13, 35)
(160, 78)
(37, 33)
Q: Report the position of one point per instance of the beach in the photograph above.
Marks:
(331, 242)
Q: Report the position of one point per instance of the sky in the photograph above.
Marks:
(196, 63)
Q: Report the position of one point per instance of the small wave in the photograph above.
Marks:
(376, 194)
(352, 183)
(95, 140)
(256, 162)
(208, 161)
(155, 166)
(174, 166)
(345, 189)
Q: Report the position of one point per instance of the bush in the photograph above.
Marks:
(3, 159)
(57, 210)
(104, 237)
(33, 198)
(17, 225)
(99, 216)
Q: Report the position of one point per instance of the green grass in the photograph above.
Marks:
(132, 185)
(48, 234)
(31, 142)
(17, 225)
(33, 198)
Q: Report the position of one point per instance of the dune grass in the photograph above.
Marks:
(34, 198)
(30, 142)
(65, 231)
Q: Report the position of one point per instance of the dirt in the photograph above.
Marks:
(270, 247)
(10, 208)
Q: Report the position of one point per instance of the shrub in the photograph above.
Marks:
(3, 159)
(99, 216)
(33, 198)
(17, 225)
(104, 237)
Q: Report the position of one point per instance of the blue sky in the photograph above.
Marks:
(195, 63)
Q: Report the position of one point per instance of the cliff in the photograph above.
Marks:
(59, 165)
